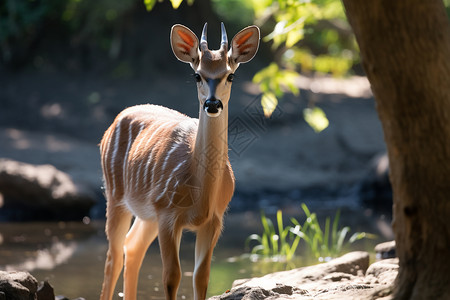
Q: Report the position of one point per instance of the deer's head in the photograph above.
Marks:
(214, 69)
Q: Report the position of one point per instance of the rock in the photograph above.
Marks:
(15, 285)
(383, 271)
(45, 291)
(346, 277)
(18, 286)
(42, 192)
(257, 293)
(385, 250)
(353, 263)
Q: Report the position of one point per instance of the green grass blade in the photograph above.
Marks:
(341, 236)
(252, 237)
(265, 223)
(306, 210)
(265, 244)
(326, 235)
(293, 248)
(334, 230)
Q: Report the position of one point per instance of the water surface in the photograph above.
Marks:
(72, 255)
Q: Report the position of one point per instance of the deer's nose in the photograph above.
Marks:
(213, 106)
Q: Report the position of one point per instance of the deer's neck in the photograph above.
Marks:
(211, 147)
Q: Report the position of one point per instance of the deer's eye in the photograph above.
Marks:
(230, 77)
(197, 77)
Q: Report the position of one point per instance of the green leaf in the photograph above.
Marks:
(176, 3)
(149, 4)
(293, 37)
(269, 102)
(316, 118)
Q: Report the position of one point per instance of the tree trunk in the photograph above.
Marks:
(405, 50)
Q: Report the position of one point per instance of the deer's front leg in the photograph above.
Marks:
(169, 242)
(207, 237)
(137, 241)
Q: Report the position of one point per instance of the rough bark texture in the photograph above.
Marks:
(405, 50)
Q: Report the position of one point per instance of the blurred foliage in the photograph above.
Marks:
(18, 19)
(149, 4)
(307, 37)
(23, 23)
(316, 118)
(237, 12)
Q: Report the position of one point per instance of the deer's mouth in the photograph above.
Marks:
(213, 107)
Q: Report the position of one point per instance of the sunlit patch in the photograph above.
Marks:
(46, 259)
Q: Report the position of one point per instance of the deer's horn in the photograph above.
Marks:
(224, 42)
(203, 41)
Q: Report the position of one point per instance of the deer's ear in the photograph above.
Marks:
(245, 44)
(184, 43)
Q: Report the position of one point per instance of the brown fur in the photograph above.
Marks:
(172, 173)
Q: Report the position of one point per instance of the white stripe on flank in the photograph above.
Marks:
(174, 147)
(154, 168)
(150, 159)
(125, 158)
(116, 133)
(166, 159)
(169, 180)
(105, 154)
(134, 177)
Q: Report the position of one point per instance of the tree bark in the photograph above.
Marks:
(405, 50)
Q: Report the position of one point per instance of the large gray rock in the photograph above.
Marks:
(342, 278)
(18, 286)
(352, 264)
(44, 190)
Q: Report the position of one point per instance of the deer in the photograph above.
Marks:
(165, 172)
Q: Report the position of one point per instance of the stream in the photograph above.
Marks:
(71, 255)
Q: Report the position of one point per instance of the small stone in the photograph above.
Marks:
(385, 250)
(338, 276)
(45, 291)
(383, 271)
(283, 289)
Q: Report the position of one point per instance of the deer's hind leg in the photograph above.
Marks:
(169, 236)
(118, 221)
(137, 241)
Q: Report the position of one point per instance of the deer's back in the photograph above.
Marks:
(145, 154)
